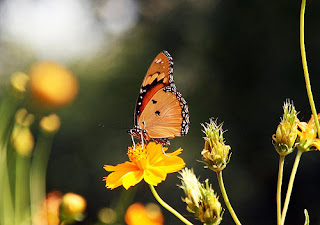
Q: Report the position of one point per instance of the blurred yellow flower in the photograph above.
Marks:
(146, 162)
(50, 124)
(308, 135)
(73, 204)
(23, 141)
(137, 214)
(49, 213)
(21, 136)
(19, 81)
(52, 85)
(23, 118)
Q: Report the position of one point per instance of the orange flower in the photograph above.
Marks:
(52, 85)
(49, 213)
(147, 162)
(138, 214)
(308, 135)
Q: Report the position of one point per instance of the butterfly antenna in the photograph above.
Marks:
(164, 151)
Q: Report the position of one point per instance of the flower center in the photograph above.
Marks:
(137, 153)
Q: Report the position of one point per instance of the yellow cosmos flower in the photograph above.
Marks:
(308, 135)
(146, 162)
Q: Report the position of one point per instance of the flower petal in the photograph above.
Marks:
(303, 126)
(132, 178)
(153, 176)
(154, 151)
(115, 179)
(316, 143)
(171, 167)
(127, 166)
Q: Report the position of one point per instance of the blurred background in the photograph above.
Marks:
(237, 61)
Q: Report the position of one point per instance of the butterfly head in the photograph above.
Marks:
(137, 133)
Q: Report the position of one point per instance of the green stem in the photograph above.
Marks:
(305, 66)
(38, 172)
(280, 173)
(290, 185)
(21, 190)
(168, 207)
(226, 199)
(6, 201)
(7, 209)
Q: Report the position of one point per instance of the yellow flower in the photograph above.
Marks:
(138, 214)
(72, 208)
(23, 141)
(21, 136)
(308, 135)
(50, 124)
(52, 85)
(19, 82)
(147, 162)
(73, 203)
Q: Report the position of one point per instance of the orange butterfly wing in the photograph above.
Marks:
(159, 75)
(161, 112)
(165, 116)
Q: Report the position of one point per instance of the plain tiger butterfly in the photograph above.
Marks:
(161, 113)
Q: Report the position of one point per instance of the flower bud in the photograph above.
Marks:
(22, 140)
(201, 199)
(72, 208)
(50, 124)
(23, 118)
(19, 82)
(21, 137)
(215, 153)
(287, 130)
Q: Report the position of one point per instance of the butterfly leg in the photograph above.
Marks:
(164, 151)
(142, 141)
(134, 144)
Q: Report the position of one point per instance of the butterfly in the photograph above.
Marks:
(161, 113)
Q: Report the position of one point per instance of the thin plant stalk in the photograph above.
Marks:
(279, 184)
(168, 207)
(7, 201)
(226, 199)
(22, 189)
(38, 172)
(305, 66)
(290, 186)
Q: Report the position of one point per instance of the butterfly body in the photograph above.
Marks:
(161, 112)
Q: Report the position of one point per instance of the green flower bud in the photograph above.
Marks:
(201, 200)
(287, 130)
(215, 153)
